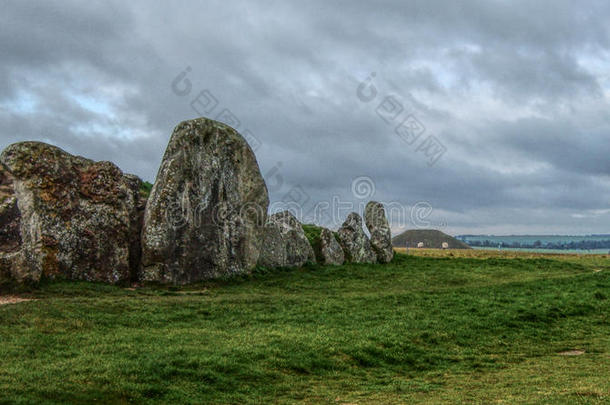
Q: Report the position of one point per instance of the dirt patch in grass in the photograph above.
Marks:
(9, 299)
(572, 353)
(192, 292)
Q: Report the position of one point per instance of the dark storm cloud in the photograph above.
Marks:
(516, 92)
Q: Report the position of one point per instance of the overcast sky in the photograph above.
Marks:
(490, 116)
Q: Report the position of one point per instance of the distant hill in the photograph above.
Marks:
(431, 238)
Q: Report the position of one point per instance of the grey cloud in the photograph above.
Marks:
(512, 89)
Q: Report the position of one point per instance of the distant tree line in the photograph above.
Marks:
(582, 244)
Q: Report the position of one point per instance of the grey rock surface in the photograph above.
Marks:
(76, 216)
(206, 213)
(379, 229)
(273, 250)
(330, 252)
(356, 245)
(297, 247)
(10, 216)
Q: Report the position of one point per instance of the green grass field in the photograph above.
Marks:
(421, 329)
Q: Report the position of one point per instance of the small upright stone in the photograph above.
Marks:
(324, 244)
(298, 248)
(331, 252)
(356, 245)
(273, 249)
(379, 228)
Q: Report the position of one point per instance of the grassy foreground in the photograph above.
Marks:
(422, 329)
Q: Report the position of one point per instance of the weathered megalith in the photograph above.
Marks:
(206, 213)
(331, 253)
(356, 245)
(273, 250)
(379, 228)
(78, 219)
(297, 246)
(325, 246)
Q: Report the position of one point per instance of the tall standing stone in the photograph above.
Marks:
(356, 245)
(379, 228)
(77, 218)
(207, 210)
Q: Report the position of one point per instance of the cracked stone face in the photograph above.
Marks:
(10, 216)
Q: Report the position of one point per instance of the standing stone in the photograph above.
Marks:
(379, 228)
(273, 250)
(356, 245)
(330, 252)
(76, 216)
(298, 248)
(325, 246)
(206, 212)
